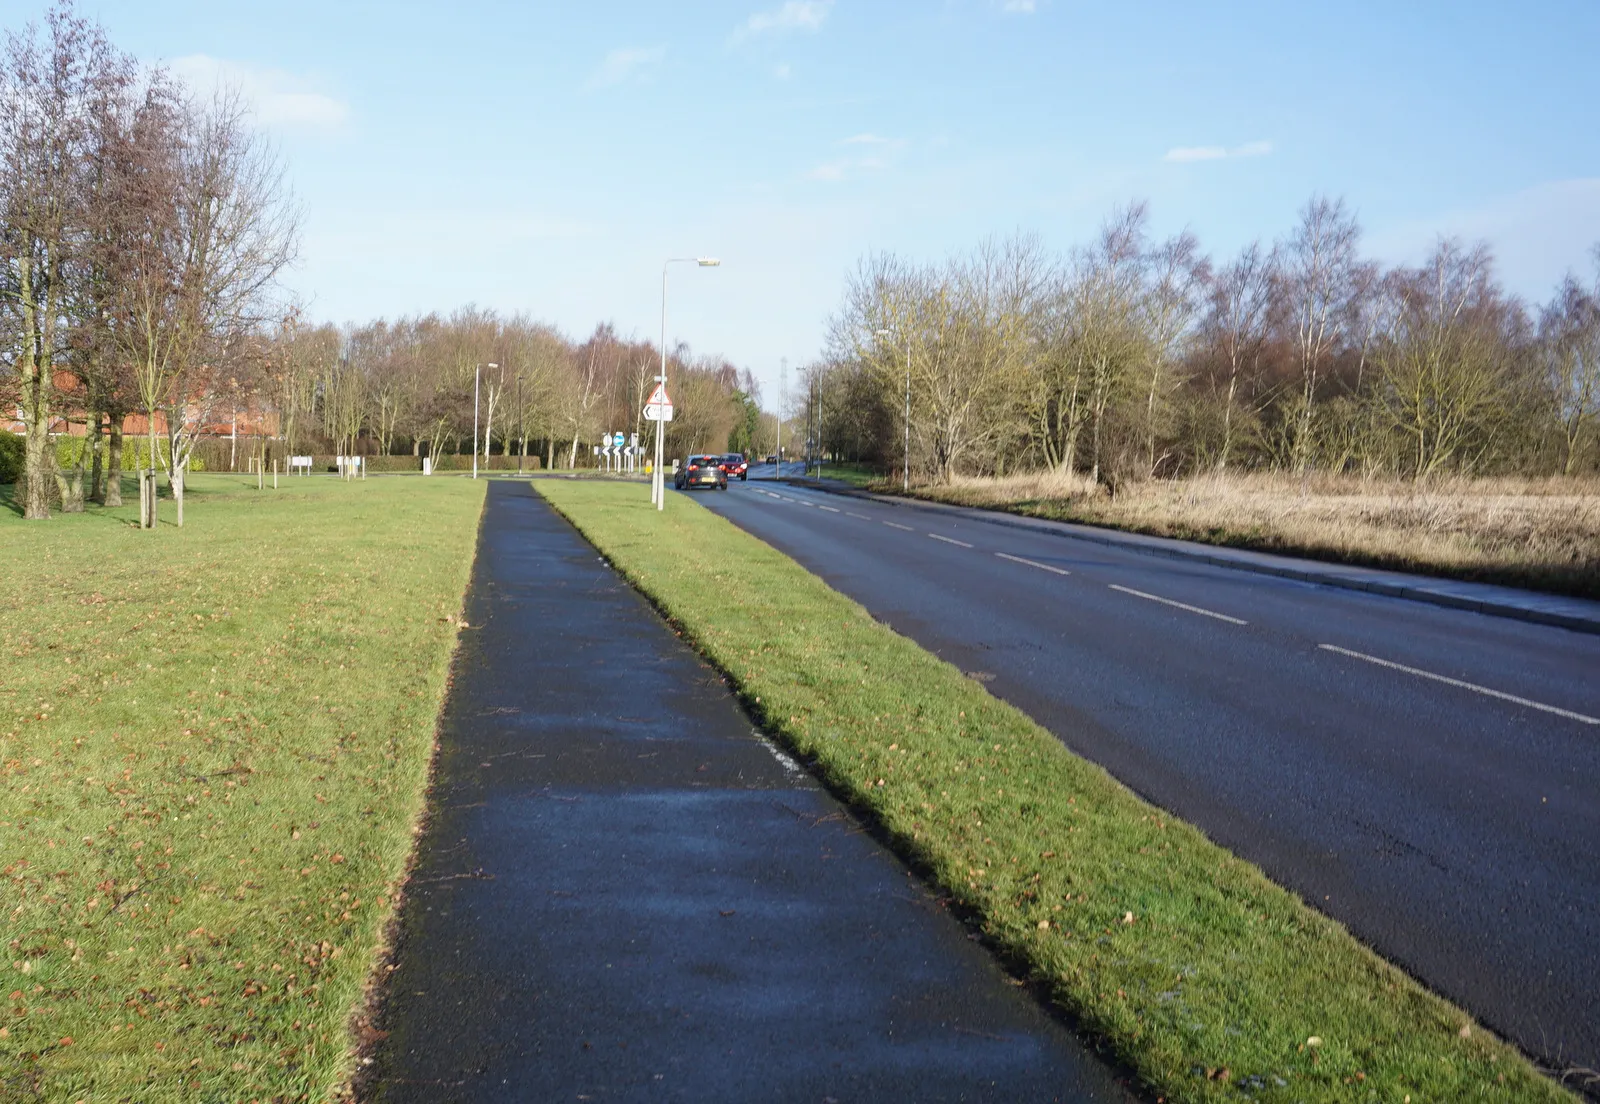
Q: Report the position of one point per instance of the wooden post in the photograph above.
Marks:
(144, 507)
(274, 475)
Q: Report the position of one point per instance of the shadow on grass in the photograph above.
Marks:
(11, 504)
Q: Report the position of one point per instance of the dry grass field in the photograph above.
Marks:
(1537, 533)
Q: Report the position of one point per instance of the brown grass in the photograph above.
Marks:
(1538, 533)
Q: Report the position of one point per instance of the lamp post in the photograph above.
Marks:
(906, 483)
(477, 379)
(658, 485)
(522, 441)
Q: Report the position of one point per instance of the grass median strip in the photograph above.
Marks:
(214, 744)
(1206, 978)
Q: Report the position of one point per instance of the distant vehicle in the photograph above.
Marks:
(733, 464)
(701, 471)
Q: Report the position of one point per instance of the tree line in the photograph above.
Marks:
(1134, 357)
(413, 385)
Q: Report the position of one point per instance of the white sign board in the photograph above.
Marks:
(657, 412)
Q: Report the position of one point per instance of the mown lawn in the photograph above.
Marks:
(214, 744)
(1211, 982)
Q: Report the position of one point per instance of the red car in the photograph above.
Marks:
(735, 465)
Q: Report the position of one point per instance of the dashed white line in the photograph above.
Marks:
(903, 528)
(863, 517)
(1474, 687)
(830, 509)
(1179, 605)
(949, 540)
(1032, 563)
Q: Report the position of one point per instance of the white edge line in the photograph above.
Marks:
(949, 540)
(897, 525)
(1179, 605)
(1032, 563)
(1474, 687)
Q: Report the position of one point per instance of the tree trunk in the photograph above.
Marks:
(113, 484)
(38, 469)
(97, 473)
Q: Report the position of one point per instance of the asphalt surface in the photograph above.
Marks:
(1302, 726)
(624, 893)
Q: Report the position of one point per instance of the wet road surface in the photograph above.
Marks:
(624, 893)
(1429, 776)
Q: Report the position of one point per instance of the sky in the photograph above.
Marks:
(547, 158)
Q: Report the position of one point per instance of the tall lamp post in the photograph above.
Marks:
(658, 485)
(477, 379)
(906, 484)
(522, 441)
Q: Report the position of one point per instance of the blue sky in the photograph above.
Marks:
(546, 157)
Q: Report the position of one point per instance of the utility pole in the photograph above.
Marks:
(783, 402)
(522, 442)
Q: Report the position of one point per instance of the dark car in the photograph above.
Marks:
(735, 465)
(701, 471)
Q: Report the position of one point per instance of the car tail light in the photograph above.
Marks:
(694, 467)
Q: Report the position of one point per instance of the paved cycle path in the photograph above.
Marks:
(624, 893)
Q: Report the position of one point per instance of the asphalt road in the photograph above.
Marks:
(625, 893)
(1428, 776)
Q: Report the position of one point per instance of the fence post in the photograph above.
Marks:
(274, 474)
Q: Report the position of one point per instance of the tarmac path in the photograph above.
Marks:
(625, 893)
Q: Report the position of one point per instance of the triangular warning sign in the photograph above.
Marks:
(658, 397)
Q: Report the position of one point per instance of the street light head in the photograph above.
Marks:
(708, 262)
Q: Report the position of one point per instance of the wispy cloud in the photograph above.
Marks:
(792, 15)
(280, 98)
(879, 158)
(1183, 154)
(781, 71)
(1019, 7)
(629, 63)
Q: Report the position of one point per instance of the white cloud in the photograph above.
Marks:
(867, 139)
(782, 71)
(832, 172)
(1185, 154)
(280, 98)
(793, 15)
(1019, 7)
(626, 64)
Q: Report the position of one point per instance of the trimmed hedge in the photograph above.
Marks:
(11, 457)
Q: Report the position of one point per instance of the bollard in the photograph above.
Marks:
(274, 475)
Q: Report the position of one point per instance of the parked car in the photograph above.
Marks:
(735, 465)
(701, 471)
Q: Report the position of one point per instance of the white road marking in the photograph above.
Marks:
(1033, 563)
(803, 502)
(830, 509)
(1474, 687)
(1179, 605)
(903, 528)
(949, 540)
(863, 517)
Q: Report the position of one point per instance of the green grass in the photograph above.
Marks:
(857, 475)
(214, 744)
(1210, 981)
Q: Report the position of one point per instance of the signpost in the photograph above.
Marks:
(659, 410)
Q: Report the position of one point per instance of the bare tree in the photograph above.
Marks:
(1570, 332)
(1237, 325)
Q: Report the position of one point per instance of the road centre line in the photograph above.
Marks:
(862, 517)
(830, 509)
(949, 540)
(1179, 605)
(897, 525)
(1474, 687)
(1032, 563)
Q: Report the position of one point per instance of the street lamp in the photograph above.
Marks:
(658, 485)
(477, 378)
(886, 333)
(522, 440)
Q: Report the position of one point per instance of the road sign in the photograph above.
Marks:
(618, 440)
(656, 412)
(659, 396)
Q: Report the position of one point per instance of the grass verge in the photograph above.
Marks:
(1541, 534)
(1207, 979)
(214, 744)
